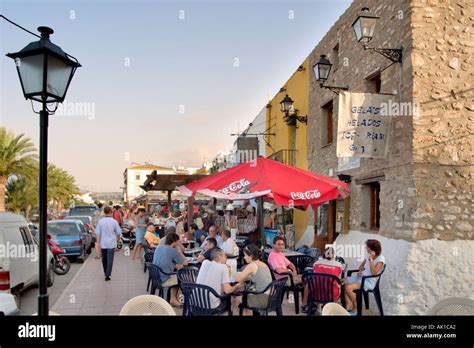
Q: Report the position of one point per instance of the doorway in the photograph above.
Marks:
(325, 225)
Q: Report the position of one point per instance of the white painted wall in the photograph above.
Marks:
(259, 126)
(419, 274)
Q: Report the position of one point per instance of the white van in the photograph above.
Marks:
(19, 256)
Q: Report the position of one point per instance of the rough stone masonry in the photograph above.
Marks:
(426, 181)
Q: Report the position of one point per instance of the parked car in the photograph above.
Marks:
(8, 305)
(72, 236)
(19, 271)
(88, 210)
(33, 229)
(87, 221)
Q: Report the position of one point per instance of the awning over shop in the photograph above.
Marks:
(169, 183)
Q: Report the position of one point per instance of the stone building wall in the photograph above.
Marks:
(443, 141)
(355, 65)
(426, 199)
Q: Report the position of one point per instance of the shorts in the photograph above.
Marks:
(258, 301)
(172, 281)
(369, 283)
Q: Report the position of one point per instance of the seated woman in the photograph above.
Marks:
(372, 265)
(258, 273)
(151, 236)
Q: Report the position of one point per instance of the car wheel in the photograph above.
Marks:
(81, 258)
(50, 274)
(17, 295)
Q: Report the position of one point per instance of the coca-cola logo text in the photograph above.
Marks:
(235, 186)
(312, 194)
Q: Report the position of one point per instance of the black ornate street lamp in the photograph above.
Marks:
(45, 72)
(321, 70)
(291, 115)
(364, 30)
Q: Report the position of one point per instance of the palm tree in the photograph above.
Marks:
(17, 157)
(22, 195)
(61, 187)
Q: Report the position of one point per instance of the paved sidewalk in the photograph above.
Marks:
(89, 294)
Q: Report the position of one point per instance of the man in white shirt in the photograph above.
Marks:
(215, 274)
(228, 245)
(213, 234)
(108, 234)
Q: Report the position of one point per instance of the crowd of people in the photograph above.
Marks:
(212, 232)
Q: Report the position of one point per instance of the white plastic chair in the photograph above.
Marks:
(453, 306)
(147, 305)
(334, 309)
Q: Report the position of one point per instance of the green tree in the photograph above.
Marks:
(61, 187)
(21, 195)
(17, 157)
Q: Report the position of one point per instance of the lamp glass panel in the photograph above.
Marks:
(59, 74)
(323, 71)
(31, 73)
(368, 27)
(285, 106)
(357, 29)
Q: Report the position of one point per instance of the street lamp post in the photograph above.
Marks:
(45, 72)
(364, 30)
(321, 70)
(291, 114)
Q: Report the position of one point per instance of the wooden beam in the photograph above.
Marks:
(190, 210)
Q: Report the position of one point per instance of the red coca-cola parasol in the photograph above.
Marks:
(286, 185)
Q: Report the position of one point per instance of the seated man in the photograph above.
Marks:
(190, 233)
(208, 248)
(213, 234)
(215, 274)
(169, 257)
(151, 236)
(279, 263)
(168, 229)
(199, 234)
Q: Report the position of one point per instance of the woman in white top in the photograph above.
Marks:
(372, 265)
(231, 251)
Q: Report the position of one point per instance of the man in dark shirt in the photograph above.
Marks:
(210, 246)
(199, 235)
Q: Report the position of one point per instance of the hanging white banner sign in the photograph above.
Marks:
(363, 128)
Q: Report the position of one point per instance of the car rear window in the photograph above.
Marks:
(82, 211)
(62, 229)
(85, 220)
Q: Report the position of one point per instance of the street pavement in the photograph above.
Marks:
(29, 297)
(89, 294)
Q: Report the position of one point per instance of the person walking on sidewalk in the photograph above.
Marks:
(108, 234)
(140, 225)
